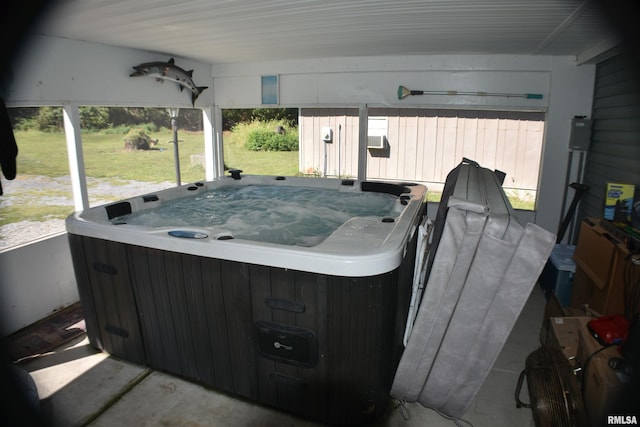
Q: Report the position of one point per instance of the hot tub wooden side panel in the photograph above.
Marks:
(106, 295)
(81, 270)
(290, 386)
(198, 318)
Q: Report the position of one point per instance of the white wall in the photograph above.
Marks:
(55, 71)
(36, 279)
(60, 71)
(374, 81)
(571, 95)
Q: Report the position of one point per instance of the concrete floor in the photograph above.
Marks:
(78, 385)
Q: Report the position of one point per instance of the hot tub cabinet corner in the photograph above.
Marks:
(321, 346)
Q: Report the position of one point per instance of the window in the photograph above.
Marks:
(127, 152)
(261, 141)
(38, 200)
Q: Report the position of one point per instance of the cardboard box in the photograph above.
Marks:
(564, 334)
(600, 265)
(619, 201)
(602, 386)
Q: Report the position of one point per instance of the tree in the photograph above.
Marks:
(233, 117)
(49, 119)
(94, 117)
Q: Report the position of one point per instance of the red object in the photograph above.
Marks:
(609, 329)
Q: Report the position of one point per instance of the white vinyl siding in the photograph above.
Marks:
(424, 145)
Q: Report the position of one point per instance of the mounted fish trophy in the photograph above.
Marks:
(169, 71)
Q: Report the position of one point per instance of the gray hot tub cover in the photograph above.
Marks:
(481, 269)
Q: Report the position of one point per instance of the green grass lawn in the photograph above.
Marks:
(41, 154)
(105, 157)
(258, 162)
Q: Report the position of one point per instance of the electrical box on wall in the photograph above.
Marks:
(580, 134)
(327, 134)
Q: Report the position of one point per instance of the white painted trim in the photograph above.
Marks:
(363, 121)
(604, 50)
(219, 145)
(209, 144)
(73, 136)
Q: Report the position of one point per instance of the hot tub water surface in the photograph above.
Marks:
(299, 216)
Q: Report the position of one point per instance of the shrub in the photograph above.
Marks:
(265, 140)
(117, 130)
(137, 139)
(274, 135)
(149, 127)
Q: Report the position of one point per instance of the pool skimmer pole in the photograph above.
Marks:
(403, 92)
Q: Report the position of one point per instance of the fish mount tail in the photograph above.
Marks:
(195, 94)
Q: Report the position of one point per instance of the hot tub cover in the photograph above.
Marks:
(481, 269)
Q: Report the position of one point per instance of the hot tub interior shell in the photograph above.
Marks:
(322, 346)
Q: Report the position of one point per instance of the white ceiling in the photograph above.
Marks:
(228, 31)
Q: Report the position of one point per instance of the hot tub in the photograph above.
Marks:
(313, 329)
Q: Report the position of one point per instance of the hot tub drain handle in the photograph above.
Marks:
(286, 347)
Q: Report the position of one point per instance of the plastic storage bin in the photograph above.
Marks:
(557, 275)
